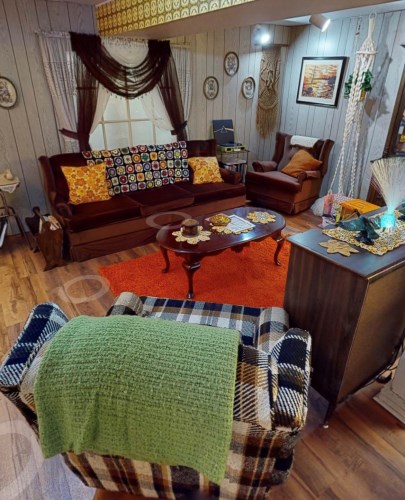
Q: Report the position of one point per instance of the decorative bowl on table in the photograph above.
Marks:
(219, 220)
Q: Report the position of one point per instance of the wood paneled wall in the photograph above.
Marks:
(209, 50)
(338, 40)
(29, 130)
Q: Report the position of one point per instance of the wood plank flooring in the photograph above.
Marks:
(361, 454)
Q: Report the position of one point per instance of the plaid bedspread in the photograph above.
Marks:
(269, 410)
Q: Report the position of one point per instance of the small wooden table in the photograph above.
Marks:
(218, 242)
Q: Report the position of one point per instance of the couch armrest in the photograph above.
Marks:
(271, 326)
(230, 177)
(126, 303)
(293, 356)
(264, 166)
(63, 209)
(309, 174)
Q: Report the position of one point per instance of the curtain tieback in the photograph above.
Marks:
(179, 128)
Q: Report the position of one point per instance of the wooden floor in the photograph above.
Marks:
(361, 454)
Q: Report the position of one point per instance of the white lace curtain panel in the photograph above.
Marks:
(60, 73)
(59, 69)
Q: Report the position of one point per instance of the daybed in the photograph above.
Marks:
(133, 218)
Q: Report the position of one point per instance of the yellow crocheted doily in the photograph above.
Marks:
(261, 217)
(387, 241)
(193, 240)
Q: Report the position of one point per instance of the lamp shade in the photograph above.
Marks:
(320, 21)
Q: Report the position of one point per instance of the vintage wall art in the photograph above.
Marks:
(8, 93)
(321, 80)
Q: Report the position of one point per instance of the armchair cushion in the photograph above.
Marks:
(276, 180)
(301, 162)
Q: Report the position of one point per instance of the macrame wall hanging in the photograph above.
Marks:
(348, 165)
(267, 104)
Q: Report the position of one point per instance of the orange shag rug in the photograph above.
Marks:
(249, 278)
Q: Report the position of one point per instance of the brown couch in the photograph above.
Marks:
(269, 187)
(132, 219)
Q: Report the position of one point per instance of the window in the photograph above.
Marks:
(125, 123)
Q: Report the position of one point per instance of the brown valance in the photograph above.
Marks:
(125, 81)
(95, 65)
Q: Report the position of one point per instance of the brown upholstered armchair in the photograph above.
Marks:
(269, 187)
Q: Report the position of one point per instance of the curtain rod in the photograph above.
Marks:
(63, 34)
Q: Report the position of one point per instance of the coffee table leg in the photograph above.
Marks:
(167, 261)
(190, 266)
(280, 242)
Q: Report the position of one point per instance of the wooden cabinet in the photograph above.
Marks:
(354, 308)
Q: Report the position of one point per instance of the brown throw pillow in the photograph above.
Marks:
(302, 161)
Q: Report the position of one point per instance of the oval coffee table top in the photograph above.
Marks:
(220, 241)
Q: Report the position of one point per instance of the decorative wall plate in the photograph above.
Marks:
(248, 87)
(8, 93)
(210, 87)
(231, 63)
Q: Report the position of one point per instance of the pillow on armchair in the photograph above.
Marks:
(302, 161)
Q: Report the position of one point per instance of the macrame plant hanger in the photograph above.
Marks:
(348, 159)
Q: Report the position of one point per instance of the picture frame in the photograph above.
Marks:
(8, 93)
(210, 87)
(231, 63)
(248, 87)
(320, 81)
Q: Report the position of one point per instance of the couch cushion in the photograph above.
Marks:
(276, 180)
(205, 169)
(86, 184)
(210, 192)
(165, 198)
(101, 213)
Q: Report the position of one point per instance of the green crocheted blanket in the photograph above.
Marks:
(146, 389)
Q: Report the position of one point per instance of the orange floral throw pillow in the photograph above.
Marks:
(302, 161)
(86, 184)
(205, 169)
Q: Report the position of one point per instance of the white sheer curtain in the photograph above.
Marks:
(182, 60)
(130, 53)
(59, 68)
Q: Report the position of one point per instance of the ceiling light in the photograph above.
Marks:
(261, 35)
(320, 21)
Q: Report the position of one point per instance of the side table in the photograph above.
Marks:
(6, 211)
(352, 307)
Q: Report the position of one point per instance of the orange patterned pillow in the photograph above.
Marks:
(86, 184)
(302, 161)
(205, 169)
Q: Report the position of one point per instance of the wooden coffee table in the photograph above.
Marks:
(193, 254)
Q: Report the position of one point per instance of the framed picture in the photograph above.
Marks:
(231, 63)
(321, 80)
(248, 87)
(8, 93)
(210, 87)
